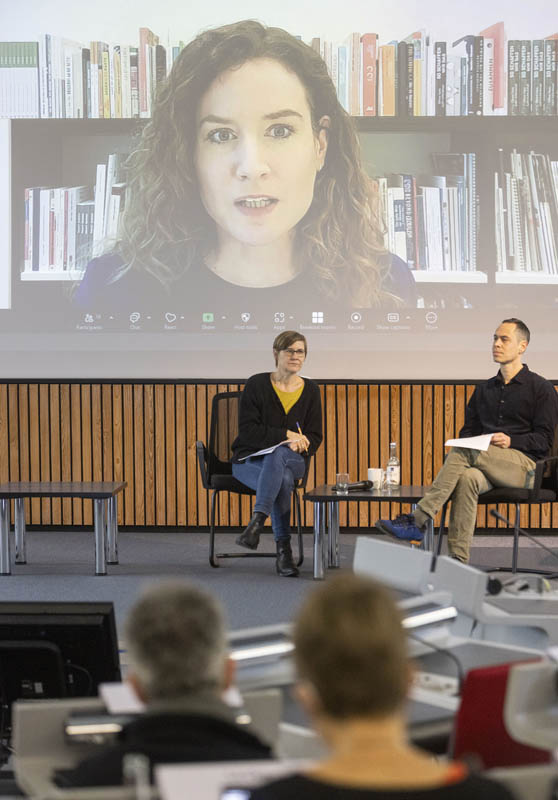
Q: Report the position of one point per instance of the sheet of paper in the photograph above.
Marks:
(472, 442)
(265, 451)
(120, 698)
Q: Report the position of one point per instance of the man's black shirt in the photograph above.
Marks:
(526, 409)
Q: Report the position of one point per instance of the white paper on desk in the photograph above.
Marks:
(472, 442)
(265, 451)
(120, 698)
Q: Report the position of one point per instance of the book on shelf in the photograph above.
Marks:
(65, 226)
(370, 73)
(429, 217)
(526, 205)
(478, 74)
(550, 83)
(19, 79)
(50, 228)
(497, 34)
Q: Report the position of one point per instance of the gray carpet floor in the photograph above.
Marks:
(61, 567)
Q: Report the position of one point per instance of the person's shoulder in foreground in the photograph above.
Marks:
(295, 786)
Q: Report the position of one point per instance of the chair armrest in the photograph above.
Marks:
(201, 453)
(541, 467)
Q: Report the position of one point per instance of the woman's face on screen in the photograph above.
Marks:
(257, 156)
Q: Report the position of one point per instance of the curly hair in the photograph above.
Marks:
(166, 229)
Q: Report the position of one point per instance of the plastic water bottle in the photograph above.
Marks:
(393, 471)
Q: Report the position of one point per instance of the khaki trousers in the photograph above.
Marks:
(464, 475)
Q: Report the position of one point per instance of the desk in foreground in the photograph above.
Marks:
(326, 499)
(103, 494)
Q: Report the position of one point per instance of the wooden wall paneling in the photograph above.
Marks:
(416, 436)
(66, 449)
(395, 432)
(363, 450)
(127, 503)
(118, 442)
(44, 449)
(107, 433)
(13, 432)
(13, 438)
(162, 479)
(192, 434)
(34, 449)
(76, 444)
(353, 463)
(405, 450)
(180, 453)
(149, 451)
(55, 449)
(170, 447)
(330, 433)
(5, 438)
(384, 440)
(86, 448)
(4, 434)
(139, 458)
(374, 459)
(23, 443)
(145, 434)
(202, 431)
(341, 431)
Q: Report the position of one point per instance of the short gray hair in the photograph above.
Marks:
(175, 635)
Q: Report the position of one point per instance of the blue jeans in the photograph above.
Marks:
(273, 477)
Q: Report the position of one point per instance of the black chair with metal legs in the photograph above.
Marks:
(545, 490)
(215, 466)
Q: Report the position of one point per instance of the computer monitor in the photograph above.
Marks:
(55, 649)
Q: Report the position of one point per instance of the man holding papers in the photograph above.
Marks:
(281, 414)
(519, 410)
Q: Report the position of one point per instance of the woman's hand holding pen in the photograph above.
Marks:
(298, 442)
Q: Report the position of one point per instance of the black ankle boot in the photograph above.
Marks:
(250, 536)
(285, 563)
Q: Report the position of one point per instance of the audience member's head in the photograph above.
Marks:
(350, 650)
(175, 635)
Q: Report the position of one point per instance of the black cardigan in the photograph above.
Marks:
(263, 421)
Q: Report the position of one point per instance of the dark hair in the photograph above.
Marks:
(166, 229)
(521, 329)
(350, 645)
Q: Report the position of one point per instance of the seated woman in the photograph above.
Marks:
(353, 671)
(277, 408)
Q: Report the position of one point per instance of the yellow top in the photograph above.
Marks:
(288, 399)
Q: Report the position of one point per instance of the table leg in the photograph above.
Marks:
(5, 537)
(112, 531)
(100, 537)
(319, 543)
(19, 529)
(333, 535)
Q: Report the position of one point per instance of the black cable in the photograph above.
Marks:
(444, 651)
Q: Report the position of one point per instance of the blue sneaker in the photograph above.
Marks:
(402, 527)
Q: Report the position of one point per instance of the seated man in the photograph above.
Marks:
(520, 409)
(175, 635)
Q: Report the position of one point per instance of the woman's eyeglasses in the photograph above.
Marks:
(300, 353)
